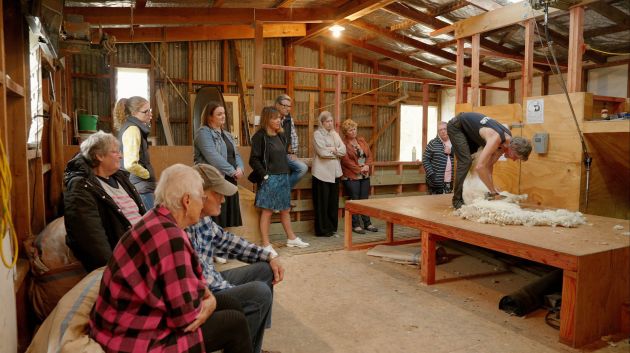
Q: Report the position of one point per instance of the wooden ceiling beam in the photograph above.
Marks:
(347, 13)
(420, 45)
(399, 57)
(218, 3)
(283, 3)
(106, 16)
(610, 12)
(434, 23)
(450, 7)
(602, 31)
(199, 33)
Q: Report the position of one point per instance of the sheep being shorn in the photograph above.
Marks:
(508, 211)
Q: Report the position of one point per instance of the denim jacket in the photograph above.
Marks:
(211, 149)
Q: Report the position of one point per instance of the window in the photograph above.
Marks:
(411, 130)
(132, 82)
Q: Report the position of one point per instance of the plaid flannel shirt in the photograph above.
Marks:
(151, 290)
(209, 239)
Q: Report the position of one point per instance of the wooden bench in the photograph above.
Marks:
(595, 257)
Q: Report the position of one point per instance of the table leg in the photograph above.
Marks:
(567, 309)
(389, 232)
(427, 267)
(347, 230)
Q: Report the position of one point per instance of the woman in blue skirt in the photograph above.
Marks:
(268, 160)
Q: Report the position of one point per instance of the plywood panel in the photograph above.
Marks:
(552, 184)
(609, 194)
(553, 179)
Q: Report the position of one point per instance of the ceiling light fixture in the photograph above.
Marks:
(336, 30)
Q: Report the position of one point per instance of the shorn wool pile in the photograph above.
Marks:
(508, 211)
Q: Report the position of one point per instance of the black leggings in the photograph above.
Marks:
(227, 328)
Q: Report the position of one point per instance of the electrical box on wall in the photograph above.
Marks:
(540, 142)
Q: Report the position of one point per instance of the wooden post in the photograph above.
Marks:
(545, 84)
(290, 60)
(337, 101)
(474, 76)
(321, 82)
(225, 71)
(427, 266)
(258, 70)
(460, 88)
(576, 44)
(191, 106)
(528, 64)
(349, 87)
(425, 116)
(311, 123)
(512, 91)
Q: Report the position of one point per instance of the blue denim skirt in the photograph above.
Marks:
(274, 193)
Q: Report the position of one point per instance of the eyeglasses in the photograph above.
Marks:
(285, 105)
(148, 111)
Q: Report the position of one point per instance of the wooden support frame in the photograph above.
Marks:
(528, 63)
(474, 74)
(594, 287)
(460, 89)
(576, 43)
(258, 68)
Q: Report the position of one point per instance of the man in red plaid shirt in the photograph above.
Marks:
(153, 297)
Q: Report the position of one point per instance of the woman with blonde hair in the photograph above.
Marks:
(356, 173)
(268, 160)
(216, 147)
(326, 173)
(131, 119)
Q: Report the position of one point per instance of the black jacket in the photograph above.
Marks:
(142, 185)
(94, 222)
(265, 158)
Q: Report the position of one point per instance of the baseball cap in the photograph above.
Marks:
(214, 180)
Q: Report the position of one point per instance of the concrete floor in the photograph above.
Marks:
(338, 301)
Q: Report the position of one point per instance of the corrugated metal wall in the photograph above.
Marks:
(92, 92)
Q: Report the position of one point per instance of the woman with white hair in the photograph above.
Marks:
(326, 170)
(100, 204)
(153, 296)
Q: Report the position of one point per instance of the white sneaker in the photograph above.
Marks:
(297, 242)
(220, 260)
(271, 250)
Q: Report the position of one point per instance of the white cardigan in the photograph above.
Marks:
(329, 148)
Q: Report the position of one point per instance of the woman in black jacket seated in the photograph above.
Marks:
(100, 204)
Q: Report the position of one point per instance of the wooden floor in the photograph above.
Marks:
(348, 302)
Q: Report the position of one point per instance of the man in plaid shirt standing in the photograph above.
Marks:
(251, 285)
(297, 167)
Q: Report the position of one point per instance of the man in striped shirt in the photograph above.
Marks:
(438, 162)
(251, 285)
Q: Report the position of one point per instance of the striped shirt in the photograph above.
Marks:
(209, 239)
(126, 204)
(434, 162)
(152, 288)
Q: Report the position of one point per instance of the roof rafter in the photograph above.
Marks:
(610, 12)
(283, 3)
(188, 16)
(602, 31)
(450, 7)
(421, 46)
(399, 57)
(347, 13)
(489, 5)
(435, 23)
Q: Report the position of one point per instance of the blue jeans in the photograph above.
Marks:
(254, 290)
(298, 170)
(148, 200)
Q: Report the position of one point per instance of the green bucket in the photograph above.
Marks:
(87, 122)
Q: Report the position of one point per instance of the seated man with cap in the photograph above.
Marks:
(251, 285)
